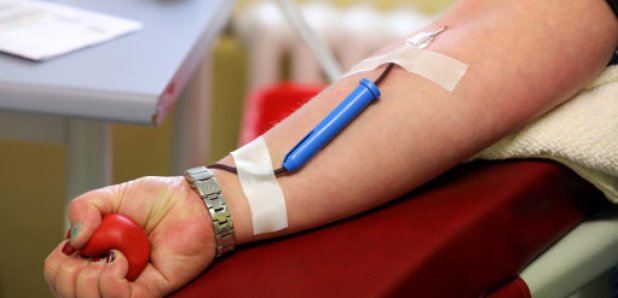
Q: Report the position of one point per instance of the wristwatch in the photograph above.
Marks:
(203, 181)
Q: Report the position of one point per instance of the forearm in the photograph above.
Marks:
(525, 57)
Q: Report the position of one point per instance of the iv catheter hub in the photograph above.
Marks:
(329, 127)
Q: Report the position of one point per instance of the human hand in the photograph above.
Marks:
(178, 226)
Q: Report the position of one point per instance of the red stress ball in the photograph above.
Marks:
(121, 233)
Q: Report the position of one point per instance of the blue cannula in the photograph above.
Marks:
(329, 127)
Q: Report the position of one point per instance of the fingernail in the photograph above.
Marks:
(74, 230)
(67, 249)
(96, 259)
(110, 257)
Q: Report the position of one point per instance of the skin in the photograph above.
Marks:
(542, 52)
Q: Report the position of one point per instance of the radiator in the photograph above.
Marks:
(352, 33)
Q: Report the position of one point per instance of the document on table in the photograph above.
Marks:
(39, 30)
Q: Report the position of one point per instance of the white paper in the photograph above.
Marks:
(40, 30)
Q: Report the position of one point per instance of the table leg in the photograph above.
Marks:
(89, 157)
(192, 121)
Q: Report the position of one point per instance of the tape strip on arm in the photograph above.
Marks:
(260, 186)
(438, 68)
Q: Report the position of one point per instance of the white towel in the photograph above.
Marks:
(582, 134)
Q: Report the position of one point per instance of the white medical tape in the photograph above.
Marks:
(258, 182)
(438, 68)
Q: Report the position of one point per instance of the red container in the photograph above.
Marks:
(268, 106)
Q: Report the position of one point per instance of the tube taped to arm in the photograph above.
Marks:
(438, 68)
(260, 186)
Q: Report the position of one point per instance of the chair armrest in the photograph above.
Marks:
(464, 234)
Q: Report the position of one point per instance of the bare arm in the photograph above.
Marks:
(525, 57)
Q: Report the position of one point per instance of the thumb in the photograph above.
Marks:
(85, 213)
(112, 281)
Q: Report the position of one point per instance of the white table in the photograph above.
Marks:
(135, 78)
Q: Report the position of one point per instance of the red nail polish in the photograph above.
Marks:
(67, 249)
(110, 257)
(68, 234)
(95, 259)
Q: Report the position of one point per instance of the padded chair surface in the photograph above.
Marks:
(466, 234)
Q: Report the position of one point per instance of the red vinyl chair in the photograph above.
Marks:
(468, 233)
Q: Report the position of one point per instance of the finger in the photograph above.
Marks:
(52, 266)
(87, 283)
(86, 210)
(66, 276)
(112, 281)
